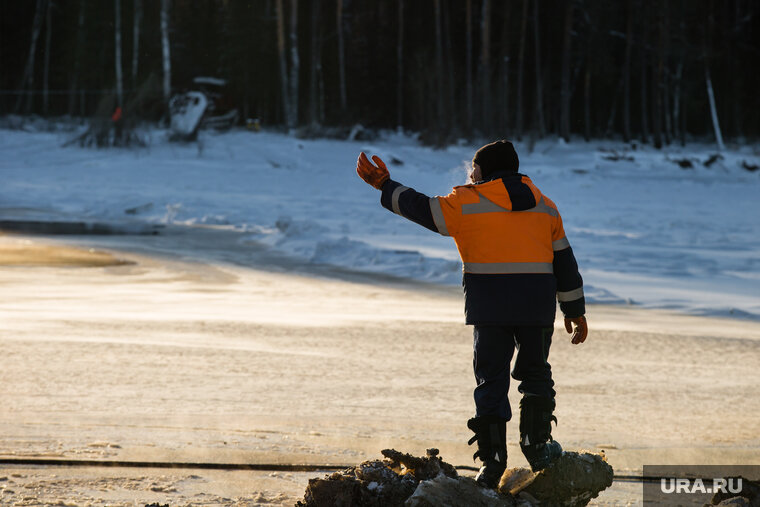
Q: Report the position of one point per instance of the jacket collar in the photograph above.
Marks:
(505, 175)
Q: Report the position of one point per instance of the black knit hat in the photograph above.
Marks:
(497, 156)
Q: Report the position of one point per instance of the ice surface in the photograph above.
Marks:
(645, 231)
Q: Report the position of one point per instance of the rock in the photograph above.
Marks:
(372, 483)
(737, 501)
(456, 492)
(425, 468)
(573, 480)
(410, 481)
(749, 495)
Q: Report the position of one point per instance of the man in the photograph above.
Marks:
(516, 261)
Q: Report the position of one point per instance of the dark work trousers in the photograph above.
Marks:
(493, 349)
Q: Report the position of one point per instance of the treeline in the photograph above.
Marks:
(655, 71)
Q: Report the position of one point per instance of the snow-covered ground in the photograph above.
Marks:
(645, 231)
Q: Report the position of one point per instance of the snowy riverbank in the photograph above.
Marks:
(645, 230)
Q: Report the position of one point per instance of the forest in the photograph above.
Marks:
(656, 72)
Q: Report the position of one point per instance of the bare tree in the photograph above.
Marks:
(503, 103)
(28, 77)
(341, 52)
(449, 66)
(137, 21)
(587, 98)
(166, 51)
(539, 81)
(666, 75)
(315, 65)
(46, 72)
(468, 64)
(485, 66)
(285, 87)
(77, 58)
(565, 90)
(713, 109)
(400, 68)
(707, 45)
(677, 103)
(657, 84)
(643, 76)
(520, 67)
(294, 63)
(439, 65)
(627, 72)
(589, 64)
(117, 55)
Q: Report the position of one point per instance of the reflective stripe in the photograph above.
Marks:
(507, 267)
(571, 295)
(560, 244)
(394, 198)
(542, 207)
(437, 212)
(485, 205)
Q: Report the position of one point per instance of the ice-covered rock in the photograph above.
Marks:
(463, 491)
(405, 480)
(572, 480)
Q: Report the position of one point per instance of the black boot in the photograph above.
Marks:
(491, 434)
(536, 440)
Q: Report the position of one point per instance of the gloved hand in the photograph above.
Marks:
(581, 329)
(375, 175)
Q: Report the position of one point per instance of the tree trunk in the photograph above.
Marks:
(166, 51)
(643, 75)
(341, 53)
(657, 83)
(677, 101)
(138, 13)
(439, 68)
(706, 54)
(613, 109)
(539, 81)
(627, 73)
(565, 91)
(77, 59)
(294, 63)
(520, 67)
(453, 117)
(713, 109)
(320, 80)
(46, 71)
(666, 76)
(504, 103)
(315, 64)
(400, 68)
(117, 53)
(285, 87)
(486, 110)
(28, 77)
(737, 71)
(587, 98)
(468, 65)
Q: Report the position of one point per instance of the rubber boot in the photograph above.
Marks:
(491, 435)
(536, 440)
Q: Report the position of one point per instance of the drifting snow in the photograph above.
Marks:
(645, 229)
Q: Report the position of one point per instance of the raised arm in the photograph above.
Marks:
(399, 199)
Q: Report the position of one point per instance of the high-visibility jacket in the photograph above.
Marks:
(516, 259)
